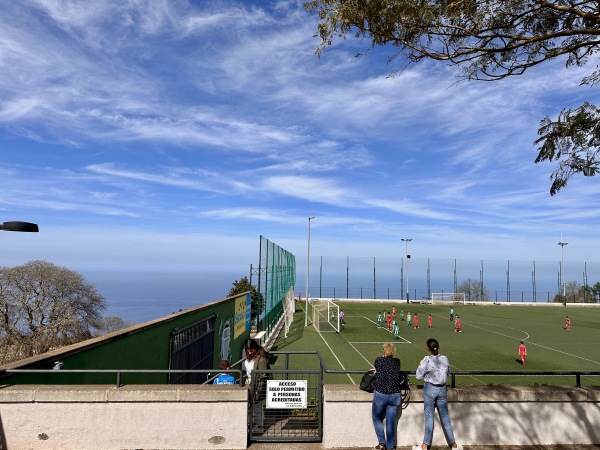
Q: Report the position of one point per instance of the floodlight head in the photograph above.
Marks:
(20, 226)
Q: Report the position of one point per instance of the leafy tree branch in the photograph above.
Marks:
(487, 40)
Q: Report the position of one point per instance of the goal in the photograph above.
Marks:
(448, 297)
(326, 316)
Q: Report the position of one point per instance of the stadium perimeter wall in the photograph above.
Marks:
(215, 417)
(400, 302)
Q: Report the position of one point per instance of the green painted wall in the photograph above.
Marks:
(143, 347)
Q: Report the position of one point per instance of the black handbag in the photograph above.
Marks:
(367, 383)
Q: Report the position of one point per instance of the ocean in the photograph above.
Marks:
(142, 296)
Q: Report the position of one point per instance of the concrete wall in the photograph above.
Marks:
(480, 415)
(214, 417)
(100, 417)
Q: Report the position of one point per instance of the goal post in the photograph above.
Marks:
(448, 297)
(326, 316)
(334, 315)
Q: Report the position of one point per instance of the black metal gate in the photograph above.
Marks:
(192, 348)
(290, 408)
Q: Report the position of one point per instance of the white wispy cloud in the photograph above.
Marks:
(410, 208)
(218, 116)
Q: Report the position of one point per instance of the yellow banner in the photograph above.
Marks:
(242, 315)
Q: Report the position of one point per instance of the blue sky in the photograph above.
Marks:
(170, 135)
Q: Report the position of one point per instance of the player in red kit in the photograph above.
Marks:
(457, 324)
(416, 319)
(430, 321)
(568, 323)
(389, 320)
(522, 352)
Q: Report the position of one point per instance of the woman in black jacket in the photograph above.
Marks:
(257, 358)
(386, 397)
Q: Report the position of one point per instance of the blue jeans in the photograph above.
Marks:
(385, 405)
(436, 396)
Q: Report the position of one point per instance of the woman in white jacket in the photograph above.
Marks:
(434, 369)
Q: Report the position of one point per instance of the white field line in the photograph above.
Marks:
(510, 337)
(532, 343)
(564, 353)
(383, 329)
(454, 366)
(526, 338)
(355, 349)
(335, 356)
(504, 326)
(405, 341)
(361, 355)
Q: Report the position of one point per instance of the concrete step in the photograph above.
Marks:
(317, 446)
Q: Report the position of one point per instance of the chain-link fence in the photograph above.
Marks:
(480, 280)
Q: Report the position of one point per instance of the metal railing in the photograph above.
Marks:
(453, 375)
(119, 372)
(322, 367)
(576, 373)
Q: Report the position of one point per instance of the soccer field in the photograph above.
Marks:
(488, 342)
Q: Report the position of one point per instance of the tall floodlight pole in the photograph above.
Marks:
(562, 262)
(307, 274)
(406, 241)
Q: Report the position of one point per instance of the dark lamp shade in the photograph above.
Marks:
(20, 226)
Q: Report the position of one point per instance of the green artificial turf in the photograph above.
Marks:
(488, 342)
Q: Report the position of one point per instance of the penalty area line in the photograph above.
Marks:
(335, 356)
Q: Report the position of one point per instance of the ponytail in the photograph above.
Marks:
(433, 346)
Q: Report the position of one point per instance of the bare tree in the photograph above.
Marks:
(110, 324)
(43, 306)
(576, 293)
(474, 291)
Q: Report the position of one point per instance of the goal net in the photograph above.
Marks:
(326, 316)
(448, 297)
(289, 308)
(310, 312)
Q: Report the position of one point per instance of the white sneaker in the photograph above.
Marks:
(416, 447)
(458, 447)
